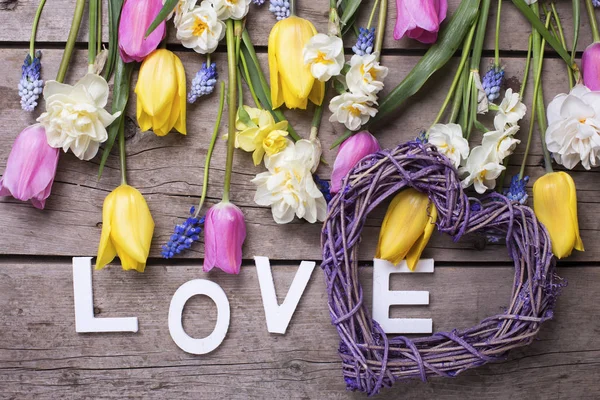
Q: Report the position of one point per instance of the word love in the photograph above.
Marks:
(278, 316)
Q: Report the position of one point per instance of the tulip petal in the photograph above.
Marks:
(573, 208)
(317, 93)
(276, 92)
(425, 13)
(106, 250)
(180, 123)
(136, 17)
(414, 254)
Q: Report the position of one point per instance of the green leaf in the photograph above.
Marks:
(541, 28)
(162, 15)
(350, 8)
(449, 40)
(120, 99)
(244, 117)
(114, 14)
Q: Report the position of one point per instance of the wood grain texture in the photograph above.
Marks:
(42, 357)
(15, 23)
(168, 171)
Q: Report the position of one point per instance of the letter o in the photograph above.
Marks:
(181, 296)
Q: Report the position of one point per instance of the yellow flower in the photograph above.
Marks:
(555, 206)
(127, 229)
(161, 93)
(261, 134)
(407, 227)
(291, 80)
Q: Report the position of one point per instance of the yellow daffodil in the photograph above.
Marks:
(260, 134)
(127, 228)
(407, 226)
(555, 206)
(291, 80)
(161, 93)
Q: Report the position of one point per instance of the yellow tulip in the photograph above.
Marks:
(555, 206)
(291, 80)
(407, 226)
(161, 93)
(127, 228)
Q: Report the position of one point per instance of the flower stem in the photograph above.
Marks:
(99, 34)
(122, 155)
(34, 27)
(527, 66)
(249, 81)
(381, 28)
(561, 35)
(211, 148)
(456, 103)
(292, 7)
(372, 14)
(576, 23)
(232, 81)
(316, 122)
(593, 21)
(497, 41)
(93, 31)
(64, 63)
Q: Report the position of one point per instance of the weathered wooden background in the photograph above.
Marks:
(42, 357)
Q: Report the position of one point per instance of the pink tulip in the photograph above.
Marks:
(136, 17)
(420, 19)
(30, 168)
(590, 66)
(354, 149)
(224, 235)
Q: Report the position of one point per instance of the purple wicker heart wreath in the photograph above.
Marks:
(372, 360)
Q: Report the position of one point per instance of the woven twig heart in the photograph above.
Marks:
(370, 358)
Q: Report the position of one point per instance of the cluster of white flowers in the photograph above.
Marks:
(364, 81)
(201, 28)
(485, 162)
(288, 186)
(324, 55)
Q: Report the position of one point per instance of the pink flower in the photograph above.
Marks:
(30, 168)
(354, 149)
(136, 17)
(224, 235)
(420, 19)
(590, 66)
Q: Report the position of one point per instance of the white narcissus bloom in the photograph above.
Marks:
(573, 133)
(75, 117)
(449, 141)
(483, 169)
(352, 110)
(182, 7)
(510, 111)
(200, 29)
(324, 55)
(503, 141)
(366, 75)
(288, 186)
(234, 9)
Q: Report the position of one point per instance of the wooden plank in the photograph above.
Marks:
(169, 170)
(16, 19)
(42, 357)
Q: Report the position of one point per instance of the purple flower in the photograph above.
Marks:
(590, 66)
(354, 149)
(204, 82)
(184, 235)
(30, 85)
(492, 82)
(224, 235)
(281, 9)
(364, 43)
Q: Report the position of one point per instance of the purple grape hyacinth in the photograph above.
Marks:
(492, 82)
(364, 43)
(517, 190)
(204, 82)
(281, 9)
(31, 85)
(184, 235)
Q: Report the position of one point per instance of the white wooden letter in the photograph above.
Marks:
(279, 316)
(181, 296)
(84, 303)
(383, 297)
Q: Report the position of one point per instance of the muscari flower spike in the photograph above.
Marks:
(492, 82)
(184, 235)
(204, 82)
(364, 43)
(30, 85)
(281, 9)
(596, 3)
(324, 187)
(259, 2)
(517, 190)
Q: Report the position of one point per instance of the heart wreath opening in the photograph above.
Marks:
(372, 360)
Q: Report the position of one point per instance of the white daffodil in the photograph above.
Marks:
(503, 141)
(200, 29)
(510, 111)
(366, 75)
(573, 133)
(449, 141)
(234, 9)
(182, 7)
(288, 186)
(324, 55)
(482, 168)
(75, 117)
(352, 110)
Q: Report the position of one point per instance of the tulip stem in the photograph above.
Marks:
(232, 65)
(34, 27)
(292, 7)
(561, 36)
(99, 32)
(316, 122)
(75, 23)
(249, 81)
(456, 103)
(122, 155)
(589, 5)
(93, 31)
(527, 66)
(372, 14)
(211, 148)
(497, 40)
(381, 28)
